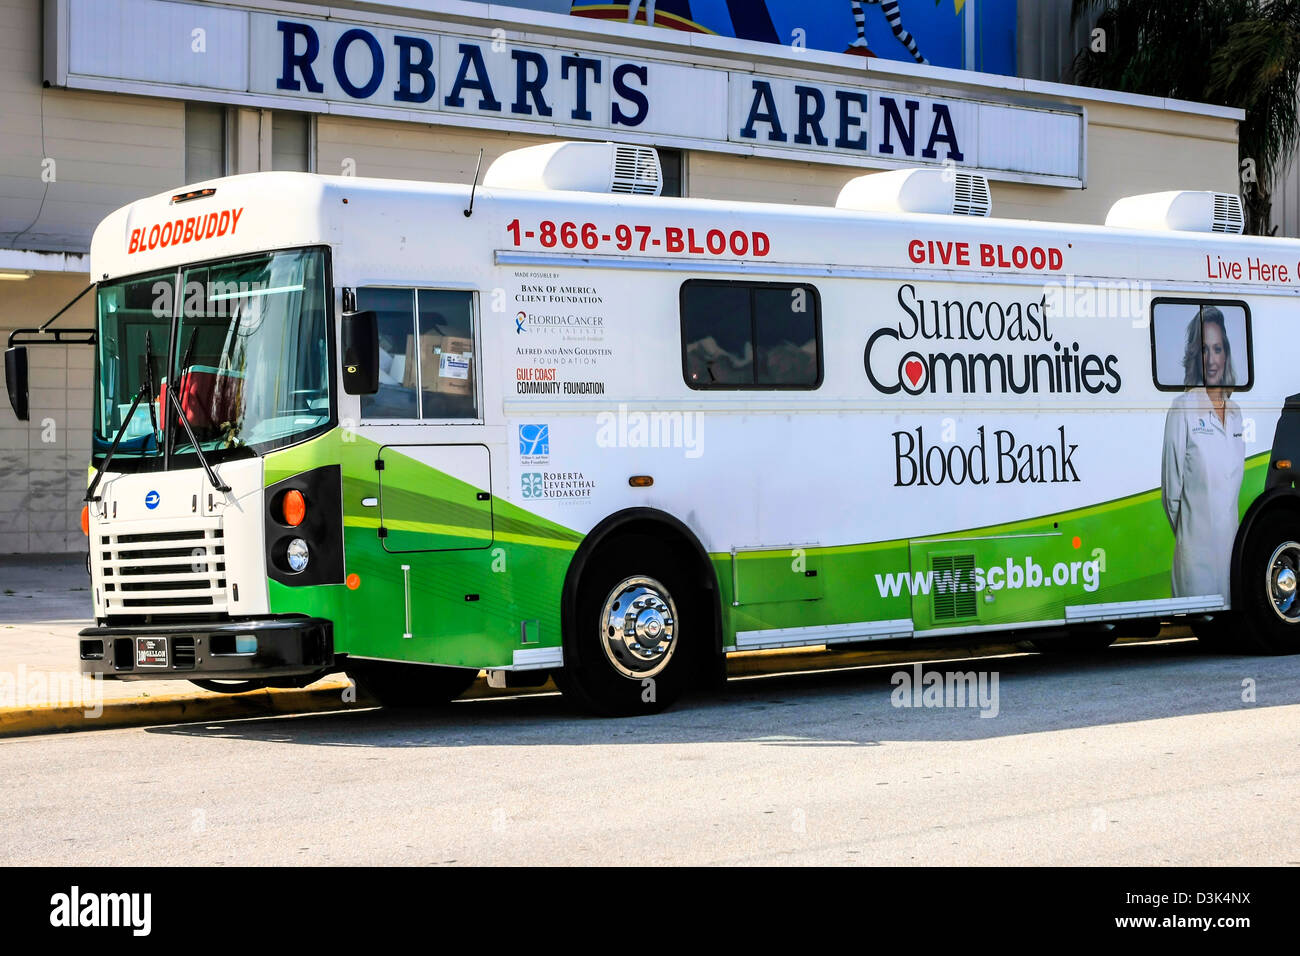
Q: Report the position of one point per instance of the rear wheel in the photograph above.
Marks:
(1270, 585)
(638, 631)
(411, 685)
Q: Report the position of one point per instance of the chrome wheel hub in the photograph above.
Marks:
(1283, 579)
(638, 623)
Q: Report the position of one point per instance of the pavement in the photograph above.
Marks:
(45, 600)
(1146, 754)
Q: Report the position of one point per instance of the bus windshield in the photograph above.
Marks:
(243, 345)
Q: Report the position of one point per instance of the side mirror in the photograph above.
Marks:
(360, 339)
(16, 380)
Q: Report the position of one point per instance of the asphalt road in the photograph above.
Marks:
(1146, 754)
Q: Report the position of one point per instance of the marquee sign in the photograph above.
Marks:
(363, 68)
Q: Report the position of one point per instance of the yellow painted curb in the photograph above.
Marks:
(329, 696)
(174, 708)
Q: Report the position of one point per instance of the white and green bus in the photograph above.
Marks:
(556, 424)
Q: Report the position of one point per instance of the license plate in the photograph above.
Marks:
(151, 652)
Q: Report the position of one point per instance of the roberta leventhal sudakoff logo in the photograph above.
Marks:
(76, 909)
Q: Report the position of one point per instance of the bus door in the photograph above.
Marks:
(434, 494)
(434, 498)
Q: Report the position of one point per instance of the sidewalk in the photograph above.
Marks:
(44, 602)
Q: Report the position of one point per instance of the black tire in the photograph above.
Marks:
(638, 567)
(406, 686)
(1270, 564)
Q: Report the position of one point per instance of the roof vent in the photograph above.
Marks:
(1180, 211)
(945, 192)
(582, 167)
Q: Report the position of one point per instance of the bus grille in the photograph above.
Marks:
(164, 572)
(953, 587)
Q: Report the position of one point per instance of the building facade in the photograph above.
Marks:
(105, 101)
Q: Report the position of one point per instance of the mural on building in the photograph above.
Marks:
(921, 31)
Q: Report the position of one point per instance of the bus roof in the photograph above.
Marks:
(244, 214)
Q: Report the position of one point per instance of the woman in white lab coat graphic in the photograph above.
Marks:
(1204, 456)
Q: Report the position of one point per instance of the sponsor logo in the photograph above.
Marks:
(152, 499)
(530, 484)
(534, 443)
(555, 484)
(571, 294)
(590, 325)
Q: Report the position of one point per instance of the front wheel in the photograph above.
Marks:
(638, 624)
(1270, 585)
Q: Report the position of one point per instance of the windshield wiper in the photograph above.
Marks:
(121, 430)
(207, 468)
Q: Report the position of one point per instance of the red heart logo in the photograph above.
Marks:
(913, 370)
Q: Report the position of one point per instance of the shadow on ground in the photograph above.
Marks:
(839, 708)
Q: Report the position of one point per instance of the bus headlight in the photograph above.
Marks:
(296, 554)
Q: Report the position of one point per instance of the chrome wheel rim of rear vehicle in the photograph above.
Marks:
(1283, 575)
(638, 627)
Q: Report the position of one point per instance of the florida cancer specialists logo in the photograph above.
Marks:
(568, 324)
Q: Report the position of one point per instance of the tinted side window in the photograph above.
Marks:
(448, 374)
(739, 335)
(717, 335)
(398, 373)
(785, 322)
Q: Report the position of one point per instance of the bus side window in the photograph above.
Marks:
(717, 335)
(1198, 343)
(398, 363)
(763, 335)
(448, 375)
(785, 322)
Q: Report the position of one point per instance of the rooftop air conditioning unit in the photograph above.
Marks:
(942, 191)
(583, 167)
(1180, 211)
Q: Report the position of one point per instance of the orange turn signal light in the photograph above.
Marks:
(85, 520)
(1283, 464)
(353, 581)
(294, 507)
(641, 481)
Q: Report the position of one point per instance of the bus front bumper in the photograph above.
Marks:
(237, 650)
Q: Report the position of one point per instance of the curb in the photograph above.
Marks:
(173, 709)
(328, 696)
